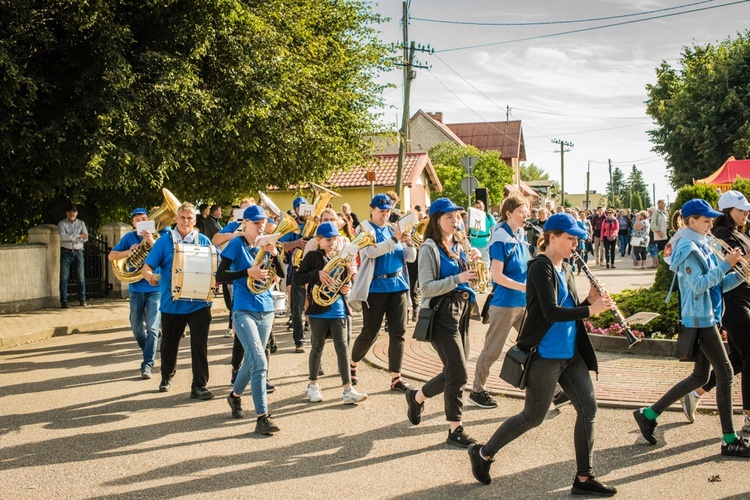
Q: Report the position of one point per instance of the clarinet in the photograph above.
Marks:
(632, 339)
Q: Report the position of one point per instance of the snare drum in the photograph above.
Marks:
(279, 302)
(193, 272)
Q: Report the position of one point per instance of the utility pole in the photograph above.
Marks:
(563, 145)
(507, 113)
(611, 184)
(410, 74)
(653, 200)
(588, 185)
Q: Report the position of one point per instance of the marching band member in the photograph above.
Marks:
(444, 277)
(509, 252)
(176, 314)
(253, 315)
(554, 326)
(326, 319)
(292, 241)
(702, 281)
(381, 289)
(144, 297)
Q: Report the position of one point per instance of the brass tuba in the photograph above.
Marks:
(339, 268)
(128, 270)
(321, 197)
(287, 225)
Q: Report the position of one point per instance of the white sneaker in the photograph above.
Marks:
(351, 396)
(229, 333)
(746, 427)
(689, 405)
(314, 394)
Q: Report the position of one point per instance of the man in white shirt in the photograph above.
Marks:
(659, 225)
(73, 234)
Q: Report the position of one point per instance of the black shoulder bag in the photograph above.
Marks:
(423, 328)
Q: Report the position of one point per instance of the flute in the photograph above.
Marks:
(632, 339)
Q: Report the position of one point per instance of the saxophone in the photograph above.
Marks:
(480, 284)
(339, 268)
(128, 270)
(321, 197)
(287, 225)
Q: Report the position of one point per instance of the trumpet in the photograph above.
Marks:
(632, 339)
(720, 248)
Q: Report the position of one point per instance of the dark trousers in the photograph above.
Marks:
(296, 308)
(173, 326)
(609, 251)
(319, 329)
(711, 354)
(575, 379)
(736, 322)
(450, 329)
(393, 306)
(227, 292)
(413, 283)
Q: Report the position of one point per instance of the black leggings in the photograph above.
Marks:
(640, 253)
(609, 251)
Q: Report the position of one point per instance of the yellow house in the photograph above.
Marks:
(579, 200)
(421, 184)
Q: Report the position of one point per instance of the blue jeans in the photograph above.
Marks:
(144, 321)
(68, 257)
(623, 244)
(253, 329)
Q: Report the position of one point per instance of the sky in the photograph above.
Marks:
(587, 88)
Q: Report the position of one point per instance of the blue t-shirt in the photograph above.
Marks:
(337, 311)
(560, 340)
(127, 241)
(230, 227)
(242, 257)
(515, 267)
(392, 262)
(451, 267)
(161, 257)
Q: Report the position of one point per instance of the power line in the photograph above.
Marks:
(592, 28)
(595, 130)
(570, 21)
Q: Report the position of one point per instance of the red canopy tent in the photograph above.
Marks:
(727, 173)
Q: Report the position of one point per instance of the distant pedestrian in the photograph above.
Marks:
(73, 234)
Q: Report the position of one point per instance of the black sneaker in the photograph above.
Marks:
(83, 303)
(265, 425)
(307, 326)
(482, 399)
(560, 399)
(592, 487)
(235, 404)
(201, 393)
(415, 409)
(63, 304)
(480, 467)
(270, 387)
(272, 345)
(647, 426)
(739, 448)
(234, 376)
(398, 384)
(460, 438)
(165, 385)
(299, 347)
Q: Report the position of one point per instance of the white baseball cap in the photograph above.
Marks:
(733, 199)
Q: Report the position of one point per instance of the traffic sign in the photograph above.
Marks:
(468, 185)
(468, 162)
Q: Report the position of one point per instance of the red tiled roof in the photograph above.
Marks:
(506, 137)
(526, 190)
(385, 167)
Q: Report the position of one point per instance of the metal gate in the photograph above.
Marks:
(96, 269)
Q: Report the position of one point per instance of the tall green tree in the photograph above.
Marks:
(104, 102)
(702, 108)
(618, 186)
(531, 172)
(637, 190)
(490, 170)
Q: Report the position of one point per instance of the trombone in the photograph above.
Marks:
(720, 248)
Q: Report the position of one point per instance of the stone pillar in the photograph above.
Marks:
(46, 234)
(113, 233)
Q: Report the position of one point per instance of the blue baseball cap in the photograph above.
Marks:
(443, 205)
(564, 222)
(327, 230)
(299, 200)
(698, 206)
(254, 213)
(381, 202)
(139, 211)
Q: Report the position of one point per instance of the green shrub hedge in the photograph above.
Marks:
(643, 299)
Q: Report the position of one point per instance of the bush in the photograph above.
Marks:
(663, 278)
(642, 299)
(687, 193)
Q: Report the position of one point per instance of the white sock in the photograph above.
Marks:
(695, 394)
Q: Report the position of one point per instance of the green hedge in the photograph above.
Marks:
(643, 299)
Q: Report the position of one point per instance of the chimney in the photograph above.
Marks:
(438, 116)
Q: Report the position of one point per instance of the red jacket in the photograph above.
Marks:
(610, 227)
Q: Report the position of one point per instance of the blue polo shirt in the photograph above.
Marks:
(161, 257)
(337, 311)
(451, 267)
(515, 267)
(230, 227)
(560, 340)
(127, 241)
(242, 257)
(390, 263)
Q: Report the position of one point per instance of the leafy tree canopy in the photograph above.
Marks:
(687, 193)
(490, 170)
(104, 102)
(702, 108)
(531, 172)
